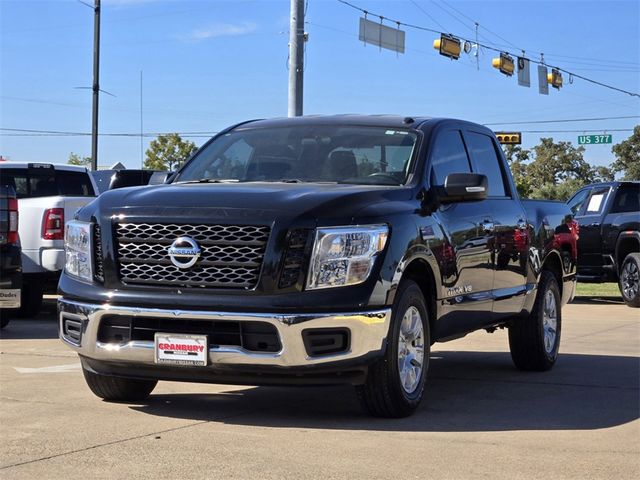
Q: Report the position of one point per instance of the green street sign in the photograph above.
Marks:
(594, 139)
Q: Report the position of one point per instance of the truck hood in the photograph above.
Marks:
(251, 201)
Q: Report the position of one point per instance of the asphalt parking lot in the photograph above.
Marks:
(481, 417)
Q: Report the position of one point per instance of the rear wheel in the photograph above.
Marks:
(395, 383)
(118, 389)
(629, 281)
(534, 341)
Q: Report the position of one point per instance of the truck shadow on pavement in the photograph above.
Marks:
(467, 392)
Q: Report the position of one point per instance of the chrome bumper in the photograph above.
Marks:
(368, 330)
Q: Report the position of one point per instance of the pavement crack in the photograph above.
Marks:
(123, 440)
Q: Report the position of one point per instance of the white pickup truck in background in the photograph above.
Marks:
(48, 195)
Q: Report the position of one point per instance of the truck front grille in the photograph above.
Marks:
(252, 336)
(231, 255)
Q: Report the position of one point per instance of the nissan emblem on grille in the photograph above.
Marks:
(184, 252)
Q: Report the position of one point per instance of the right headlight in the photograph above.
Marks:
(77, 248)
(345, 255)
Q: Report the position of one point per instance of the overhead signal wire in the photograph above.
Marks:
(489, 47)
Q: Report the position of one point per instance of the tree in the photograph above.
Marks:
(75, 159)
(627, 155)
(168, 152)
(517, 158)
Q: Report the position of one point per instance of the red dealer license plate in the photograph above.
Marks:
(175, 349)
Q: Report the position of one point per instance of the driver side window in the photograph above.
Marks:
(448, 155)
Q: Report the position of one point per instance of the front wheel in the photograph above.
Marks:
(118, 389)
(629, 282)
(534, 341)
(395, 383)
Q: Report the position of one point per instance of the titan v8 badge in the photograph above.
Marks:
(454, 291)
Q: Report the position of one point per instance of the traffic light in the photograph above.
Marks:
(504, 63)
(555, 78)
(448, 45)
(509, 138)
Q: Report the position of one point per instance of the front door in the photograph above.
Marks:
(467, 271)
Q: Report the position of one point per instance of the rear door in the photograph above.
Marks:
(510, 234)
(467, 273)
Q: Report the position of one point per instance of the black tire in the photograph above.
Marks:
(118, 389)
(629, 281)
(31, 302)
(4, 319)
(527, 335)
(383, 394)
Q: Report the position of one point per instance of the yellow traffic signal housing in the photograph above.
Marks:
(448, 45)
(555, 78)
(509, 138)
(505, 64)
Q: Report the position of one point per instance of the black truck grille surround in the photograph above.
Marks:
(98, 271)
(231, 255)
(252, 336)
(294, 259)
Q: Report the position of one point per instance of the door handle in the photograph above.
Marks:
(488, 226)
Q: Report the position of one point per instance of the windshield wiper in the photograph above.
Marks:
(211, 180)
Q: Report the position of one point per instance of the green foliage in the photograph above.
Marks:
(627, 155)
(75, 159)
(552, 171)
(168, 152)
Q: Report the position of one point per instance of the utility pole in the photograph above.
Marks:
(296, 57)
(96, 84)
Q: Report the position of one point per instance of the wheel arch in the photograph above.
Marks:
(628, 242)
(420, 271)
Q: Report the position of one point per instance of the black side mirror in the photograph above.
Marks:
(464, 187)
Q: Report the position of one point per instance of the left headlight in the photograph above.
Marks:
(345, 255)
(77, 247)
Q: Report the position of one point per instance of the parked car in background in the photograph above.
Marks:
(110, 179)
(10, 261)
(609, 241)
(48, 195)
(316, 250)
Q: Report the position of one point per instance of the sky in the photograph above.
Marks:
(208, 64)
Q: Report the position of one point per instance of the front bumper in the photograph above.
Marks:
(368, 332)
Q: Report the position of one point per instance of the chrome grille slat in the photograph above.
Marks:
(231, 255)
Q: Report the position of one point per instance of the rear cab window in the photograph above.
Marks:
(47, 182)
(627, 199)
(483, 152)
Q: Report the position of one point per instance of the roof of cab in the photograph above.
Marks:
(56, 166)
(389, 121)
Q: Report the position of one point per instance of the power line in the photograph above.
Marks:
(566, 120)
(488, 47)
(24, 132)
(580, 131)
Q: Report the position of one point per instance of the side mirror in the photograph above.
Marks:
(464, 187)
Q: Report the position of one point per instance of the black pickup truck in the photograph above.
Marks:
(10, 256)
(609, 244)
(316, 250)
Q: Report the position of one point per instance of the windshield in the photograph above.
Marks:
(340, 154)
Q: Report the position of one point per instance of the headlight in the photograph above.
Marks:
(77, 247)
(345, 255)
